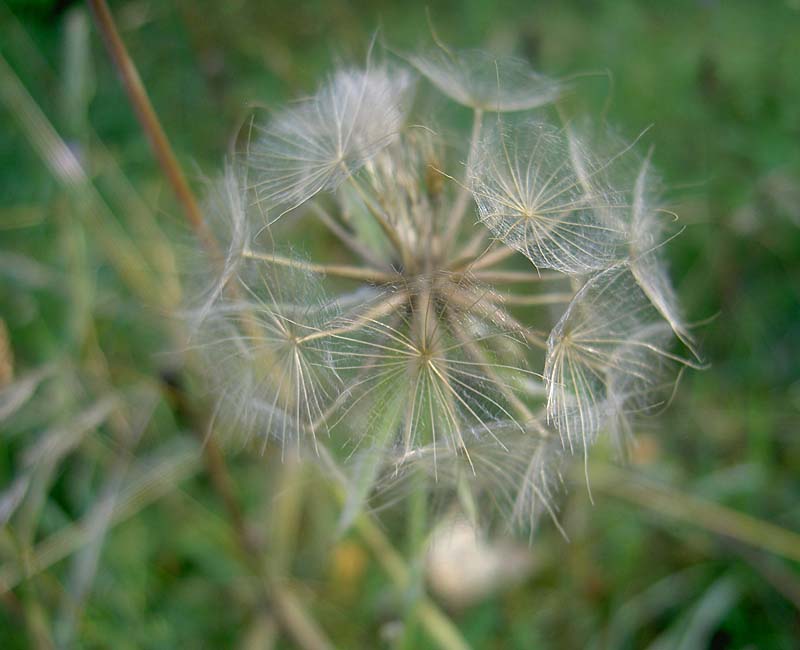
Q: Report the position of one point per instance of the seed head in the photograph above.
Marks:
(467, 322)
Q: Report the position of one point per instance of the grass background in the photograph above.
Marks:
(719, 83)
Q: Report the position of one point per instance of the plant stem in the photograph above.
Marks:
(487, 259)
(416, 525)
(290, 612)
(441, 629)
(437, 624)
(383, 221)
(346, 237)
(690, 509)
(530, 300)
(338, 270)
(369, 316)
(514, 276)
(148, 119)
(464, 195)
(294, 618)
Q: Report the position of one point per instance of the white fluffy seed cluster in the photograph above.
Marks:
(469, 311)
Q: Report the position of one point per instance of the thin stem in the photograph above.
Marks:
(470, 250)
(487, 259)
(693, 510)
(338, 270)
(464, 195)
(382, 220)
(347, 238)
(304, 629)
(532, 300)
(438, 625)
(381, 309)
(416, 525)
(499, 277)
(149, 121)
(299, 625)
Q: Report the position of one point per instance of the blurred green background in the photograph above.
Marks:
(120, 542)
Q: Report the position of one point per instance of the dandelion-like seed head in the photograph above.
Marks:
(471, 311)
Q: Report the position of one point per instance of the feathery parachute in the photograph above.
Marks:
(316, 144)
